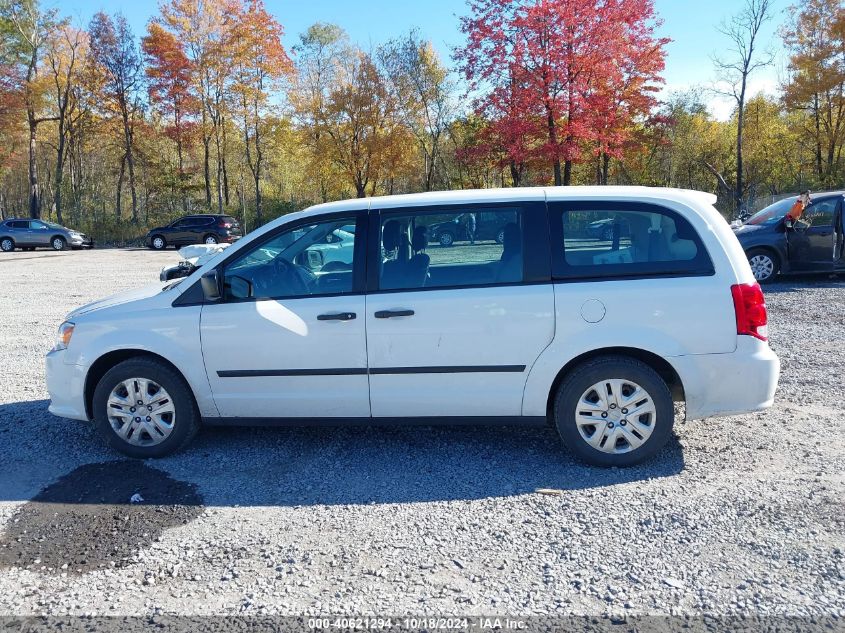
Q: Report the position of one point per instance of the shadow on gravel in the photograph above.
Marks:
(87, 519)
(791, 283)
(311, 466)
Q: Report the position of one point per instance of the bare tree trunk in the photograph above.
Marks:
(119, 188)
(34, 192)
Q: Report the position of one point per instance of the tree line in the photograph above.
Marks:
(208, 111)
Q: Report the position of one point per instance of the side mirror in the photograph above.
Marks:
(211, 286)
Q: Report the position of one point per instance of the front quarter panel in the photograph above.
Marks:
(147, 326)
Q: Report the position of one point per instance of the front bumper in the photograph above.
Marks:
(717, 385)
(66, 385)
(81, 242)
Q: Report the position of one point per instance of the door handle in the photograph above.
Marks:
(389, 314)
(342, 316)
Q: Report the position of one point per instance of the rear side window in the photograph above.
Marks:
(600, 240)
(18, 224)
(454, 248)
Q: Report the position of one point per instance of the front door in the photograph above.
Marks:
(287, 339)
(39, 233)
(454, 331)
(812, 240)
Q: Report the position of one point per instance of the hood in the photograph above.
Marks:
(747, 229)
(117, 299)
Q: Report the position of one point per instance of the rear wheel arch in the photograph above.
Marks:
(659, 364)
(104, 363)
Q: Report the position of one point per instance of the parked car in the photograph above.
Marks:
(31, 234)
(814, 244)
(489, 225)
(205, 228)
(598, 339)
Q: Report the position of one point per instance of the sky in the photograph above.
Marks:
(691, 24)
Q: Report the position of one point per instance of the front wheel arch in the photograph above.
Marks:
(105, 362)
(657, 363)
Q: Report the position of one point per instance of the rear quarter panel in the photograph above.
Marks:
(667, 316)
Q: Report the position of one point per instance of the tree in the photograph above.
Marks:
(319, 62)
(115, 52)
(200, 27)
(551, 59)
(28, 28)
(171, 90)
(66, 58)
(422, 88)
(815, 38)
(743, 32)
(259, 61)
(361, 123)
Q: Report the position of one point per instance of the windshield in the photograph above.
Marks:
(772, 214)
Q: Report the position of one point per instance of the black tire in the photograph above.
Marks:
(187, 419)
(210, 239)
(7, 245)
(446, 239)
(58, 243)
(764, 254)
(158, 243)
(606, 368)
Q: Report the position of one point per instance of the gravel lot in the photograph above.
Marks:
(742, 515)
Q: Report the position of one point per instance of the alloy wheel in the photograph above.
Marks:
(141, 412)
(7, 245)
(763, 266)
(615, 416)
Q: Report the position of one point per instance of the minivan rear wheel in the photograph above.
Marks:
(764, 264)
(7, 245)
(614, 411)
(143, 408)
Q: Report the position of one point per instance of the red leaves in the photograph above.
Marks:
(559, 77)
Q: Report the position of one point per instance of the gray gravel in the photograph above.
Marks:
(742, 515)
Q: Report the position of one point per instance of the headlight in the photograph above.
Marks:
(63, 335)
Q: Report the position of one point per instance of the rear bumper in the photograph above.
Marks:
(66, 385)
(718, 385)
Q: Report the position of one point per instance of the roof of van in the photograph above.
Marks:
(521, 193)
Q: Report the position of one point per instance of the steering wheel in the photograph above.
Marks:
(280, 274)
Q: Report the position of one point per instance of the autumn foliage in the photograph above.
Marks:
(562, 79)
(213, 108)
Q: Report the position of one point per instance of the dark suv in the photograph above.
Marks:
(195, 229)
(490, 225)
(816, 243)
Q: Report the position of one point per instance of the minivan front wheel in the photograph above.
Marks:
(143, 408)
(614, 411)
(58, 243)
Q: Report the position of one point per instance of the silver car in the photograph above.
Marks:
(30, 234)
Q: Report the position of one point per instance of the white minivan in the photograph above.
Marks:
(591, 309)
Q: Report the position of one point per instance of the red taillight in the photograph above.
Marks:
(223, 224)
(750, 308)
